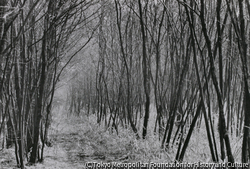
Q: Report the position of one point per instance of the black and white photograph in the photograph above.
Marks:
(124, 84)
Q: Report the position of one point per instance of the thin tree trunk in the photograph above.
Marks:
(146, 78)
(215, 83)
(38, 113)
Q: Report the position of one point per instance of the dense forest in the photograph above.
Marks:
(170, 67)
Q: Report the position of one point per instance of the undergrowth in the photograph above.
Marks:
(98, 143)
(79, 139)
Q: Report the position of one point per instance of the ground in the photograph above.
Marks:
(77, 140)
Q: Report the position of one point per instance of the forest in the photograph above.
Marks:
(166, 79)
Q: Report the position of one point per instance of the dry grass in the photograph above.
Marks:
(77, 140)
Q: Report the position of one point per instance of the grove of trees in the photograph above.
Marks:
(36, 38)
(186, 59)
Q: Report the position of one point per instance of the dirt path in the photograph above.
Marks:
(77, 140)
(74, 144)
(84, 142)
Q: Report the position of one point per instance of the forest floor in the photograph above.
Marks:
(77, 141)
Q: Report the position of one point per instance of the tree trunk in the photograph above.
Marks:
(146, 69)
(38, 113)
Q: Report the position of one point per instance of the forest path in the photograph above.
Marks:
(78, 140)
(75, 141)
